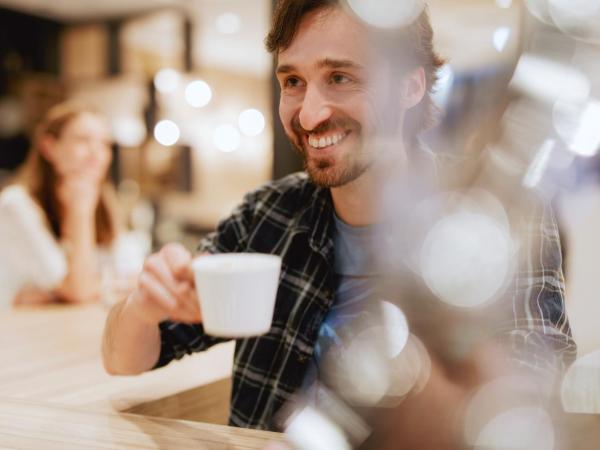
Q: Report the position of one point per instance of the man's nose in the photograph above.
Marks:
(315, 109)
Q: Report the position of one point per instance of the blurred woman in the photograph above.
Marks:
(60, 211)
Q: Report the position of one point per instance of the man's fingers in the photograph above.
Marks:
(194, 303)
(167, 284)
(188, 302)
(179, 261)
(184, 306)
(157, 266)
(155, 291)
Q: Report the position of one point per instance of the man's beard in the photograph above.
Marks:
(323, 171)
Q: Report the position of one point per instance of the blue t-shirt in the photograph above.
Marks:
(354, 269)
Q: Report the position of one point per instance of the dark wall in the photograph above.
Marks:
(27, 44)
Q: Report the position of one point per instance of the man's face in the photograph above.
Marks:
(328, 97)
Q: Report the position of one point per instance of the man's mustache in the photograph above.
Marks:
(326, 126)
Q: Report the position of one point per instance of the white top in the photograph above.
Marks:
(30, 255)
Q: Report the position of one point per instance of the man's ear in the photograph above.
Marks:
(413, 88)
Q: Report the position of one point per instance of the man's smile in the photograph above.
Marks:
(321, 141)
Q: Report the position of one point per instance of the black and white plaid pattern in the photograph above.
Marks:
(291, 218)
(294, 219)
(539, 336)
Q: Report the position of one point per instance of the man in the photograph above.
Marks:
(333, 83)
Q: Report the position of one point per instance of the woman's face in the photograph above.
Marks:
(82, 148)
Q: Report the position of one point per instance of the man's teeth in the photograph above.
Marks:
(325, 141)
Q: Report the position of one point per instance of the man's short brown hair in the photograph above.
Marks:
(416, 37)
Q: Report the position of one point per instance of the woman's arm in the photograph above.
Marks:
(82, 282)
(79, 198)
(33, 296)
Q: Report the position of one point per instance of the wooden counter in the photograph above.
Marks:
(53, 354)
(52, 381)
(26, 424)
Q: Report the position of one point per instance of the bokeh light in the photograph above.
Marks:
(227, 138)
(465, 258)
(538, 166)
(578, 7)
(251, 122)
(228, 23)
(409, 371)
(507, 413)
(579, 19)
(166, 132)
(500, 38)
(527, 427)
(396, 328)
(387, 13)
(382, 364)
(167, 80)
(361, 371)
(578, 125)
(308, 429)
(129, 131)
(539, 9)
(198, 94)
(580, 390)
(549, 81)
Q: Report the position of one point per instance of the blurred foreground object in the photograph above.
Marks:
(472, 259)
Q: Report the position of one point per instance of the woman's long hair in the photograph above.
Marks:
(39, 177)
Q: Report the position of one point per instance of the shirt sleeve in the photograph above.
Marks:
(540, 337)
(179, 339)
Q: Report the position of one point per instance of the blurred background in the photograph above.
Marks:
(189, 91)
(192, 102)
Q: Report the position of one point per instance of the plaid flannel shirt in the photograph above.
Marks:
(294, 219)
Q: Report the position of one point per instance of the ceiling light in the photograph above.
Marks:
(251, 122)
(198, 94)
(166, 80)
(166, 132)
(501, 37)
(227, 138)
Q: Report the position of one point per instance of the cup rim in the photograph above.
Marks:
(205, 262)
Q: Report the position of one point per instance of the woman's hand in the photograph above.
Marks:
(78, 193)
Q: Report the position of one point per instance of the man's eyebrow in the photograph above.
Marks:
(329, 63)
(338, 64)
(285, 68)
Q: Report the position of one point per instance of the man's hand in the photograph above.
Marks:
(165, 288)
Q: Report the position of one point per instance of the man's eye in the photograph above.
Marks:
(291, 82)
(340, 78)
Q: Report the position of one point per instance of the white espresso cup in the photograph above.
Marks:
(237, 292)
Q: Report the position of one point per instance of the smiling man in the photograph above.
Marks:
(333, 85)
(338, 92)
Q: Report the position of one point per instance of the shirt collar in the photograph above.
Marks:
(317, 220)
